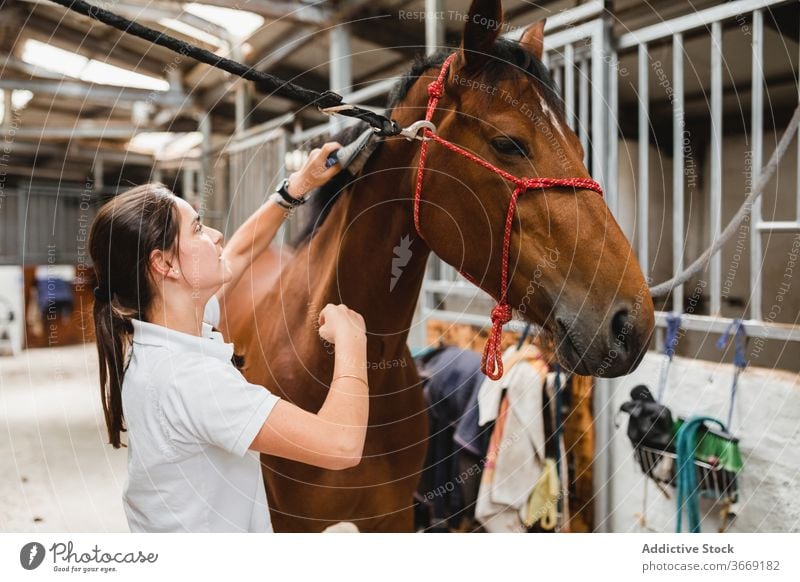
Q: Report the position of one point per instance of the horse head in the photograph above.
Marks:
(570, 268)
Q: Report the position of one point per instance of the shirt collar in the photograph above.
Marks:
(211, 343)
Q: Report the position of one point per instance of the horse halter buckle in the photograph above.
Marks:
(417, 130)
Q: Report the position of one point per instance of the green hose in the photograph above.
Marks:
(687, 477)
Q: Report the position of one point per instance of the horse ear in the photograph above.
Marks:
(533, 38)
(481, 30)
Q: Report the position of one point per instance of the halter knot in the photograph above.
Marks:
(435, 89)
(501, 313)
(492, 360)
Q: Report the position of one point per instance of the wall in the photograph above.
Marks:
(11, 295)
(778, 204)
(765, 421)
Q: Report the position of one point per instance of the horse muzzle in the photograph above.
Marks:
(611, 347)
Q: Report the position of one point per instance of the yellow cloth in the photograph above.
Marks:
(542, 504)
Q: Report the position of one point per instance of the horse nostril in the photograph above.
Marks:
(621, 329)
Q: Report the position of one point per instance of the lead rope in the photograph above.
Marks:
(492, 359)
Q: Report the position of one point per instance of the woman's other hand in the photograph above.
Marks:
(338, 323)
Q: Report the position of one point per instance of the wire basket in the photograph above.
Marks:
(713, 479)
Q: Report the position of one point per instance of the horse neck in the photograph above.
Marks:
(367, 254)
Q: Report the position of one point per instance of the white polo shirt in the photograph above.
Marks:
(191, 417)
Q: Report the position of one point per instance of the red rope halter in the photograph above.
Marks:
(491, 363)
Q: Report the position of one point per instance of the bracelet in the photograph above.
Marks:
(350, 376)
(283, 191)
(278, 199)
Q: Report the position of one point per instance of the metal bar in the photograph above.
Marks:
(714, 325)
(599, 115)
(557, 77)
(341, 70)
(716, 163)
(757, 144)
(582, 12)
(779, 226)
(98, 170)
(643, 192)
(570, 35)
(374, 90)
(187, 183)
(569, 84)
(515, 325)
(241, 98)
(583, 108)
(604, 472)
(460, 288)
(23, 200)
(613, 135)
(677, 167)
(691, 21)
(434, 27)
(94, 92)
(205, 176)
(59, 173)
(8, 109)
(80, 130)
(265, 133)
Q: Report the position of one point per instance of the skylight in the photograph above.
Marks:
(163, 144)
(73, 65)
(191, 31)
(239, 23)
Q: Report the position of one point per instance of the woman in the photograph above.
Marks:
(194, 425)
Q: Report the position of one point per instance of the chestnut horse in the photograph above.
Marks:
(589, 292)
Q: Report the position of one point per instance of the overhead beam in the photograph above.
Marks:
(394, 35)
(84, 154)
(62, 173)
(80, 130)
(93, 92)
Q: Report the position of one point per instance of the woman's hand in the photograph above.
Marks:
(314, 174)
(338, 323)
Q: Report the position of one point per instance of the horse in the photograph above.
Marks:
(588, 290)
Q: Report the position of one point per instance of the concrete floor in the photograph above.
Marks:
(57, 472)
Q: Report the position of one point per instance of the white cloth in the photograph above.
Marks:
(521, 455)
(490, 391)
(191, 418)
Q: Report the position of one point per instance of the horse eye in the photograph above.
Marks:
(510, 146)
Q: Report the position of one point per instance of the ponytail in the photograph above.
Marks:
(133, 224)
(113, 329)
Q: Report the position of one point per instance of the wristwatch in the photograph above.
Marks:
(283, 190)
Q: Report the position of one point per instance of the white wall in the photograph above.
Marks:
(11, 286)
(766, 422)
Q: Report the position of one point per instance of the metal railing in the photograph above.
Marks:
(46, 224)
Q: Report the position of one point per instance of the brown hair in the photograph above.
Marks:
(124, 233)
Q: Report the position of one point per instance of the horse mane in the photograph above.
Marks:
(507, 54)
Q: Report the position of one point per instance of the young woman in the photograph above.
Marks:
(194, 425)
